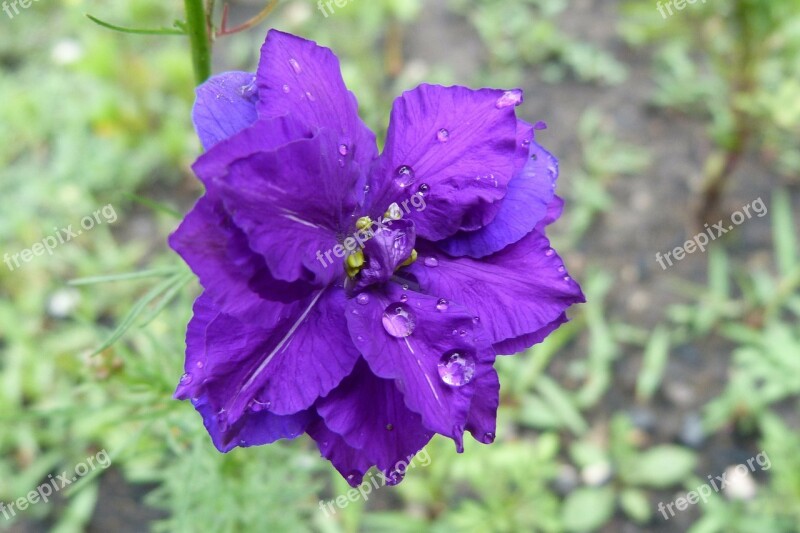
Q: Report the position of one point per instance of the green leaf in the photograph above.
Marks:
(587, 509)
(138, 31)
(662, 466)
(655, 359)
(636, 505)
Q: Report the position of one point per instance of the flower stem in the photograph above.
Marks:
(199, 39)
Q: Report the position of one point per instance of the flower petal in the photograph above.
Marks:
(435, 332)
(246, 367)
(351, 463)
(458, 142)
(253, 429)
(370, 414)
(516, 291)
(523, 342)
(293, 203)
(300, 78)
(225, 105)
(524, 206)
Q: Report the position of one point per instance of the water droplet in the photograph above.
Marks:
(441, 305)
(526, 142)
(404, 176)
(343, 149)
(341, 162)
(389, 427)
(489, 437)
(567, 278)
(363, 298)
(295, 66)
(549, 252)
(311, 97)
(404, 298)
(561, 269)
(476, 320)
(366, 189)
(405, 286)
(424, 188)
(242, 442)
(455, 332)
(360, 338)
(354, 478)
(463, 333)
(200, 364)
(186, 379)
(257, 406)
(394, 212)
(399, 320)
(394, 477)
(431, 262)
(509, 98)
(286, 89)
(456, 368)
(443, 135)
(534, 156)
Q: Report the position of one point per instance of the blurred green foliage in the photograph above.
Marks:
(91, 117)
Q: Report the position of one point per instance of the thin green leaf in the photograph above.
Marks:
(138, 31)
(155, 206)
(654, 362)
(152, 273)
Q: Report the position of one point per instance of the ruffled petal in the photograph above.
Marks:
(370, 414)
(293, 203)
(456, 146)
(430, 348)
(225, 105)
(247, 368)
(254, 428)
(301, 79)
(515, 292)
(525, 205)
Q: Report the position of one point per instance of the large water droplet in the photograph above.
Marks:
(399, 320)
(295, 66)
(431, 262)
(362, 298)
(442, 304)
(404, 176)
(456, 368)
(509, 98)
(443, 135)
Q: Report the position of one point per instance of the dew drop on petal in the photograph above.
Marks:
(456, 368)
(476, 320)
(489, 437)
(424, 188)
(404, 298)
(200, 364)
(443, 135)
(389, 427)
(567, 278)
(343, 149)
(561, 269)
(509, 98)
(366, 189)
(295, 66)
(404, 176)
(431, 262)
(363, 298)
(549, 252)
(286, 89)
(399, 320)
(526, 142)
(186, 379)
(441, 305)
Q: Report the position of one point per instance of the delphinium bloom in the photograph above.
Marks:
(359, 297)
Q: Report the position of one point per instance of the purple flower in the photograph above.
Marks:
(355, 296)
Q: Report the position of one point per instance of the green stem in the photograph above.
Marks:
(199, 38)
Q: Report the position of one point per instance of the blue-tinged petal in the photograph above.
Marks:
(515, 292)
(255, 427)
(299, 78)
(351, 463)
(431, 348)
(456, 146)
(283, 369)
(525, 205)
(225, 105)
(523, 342)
